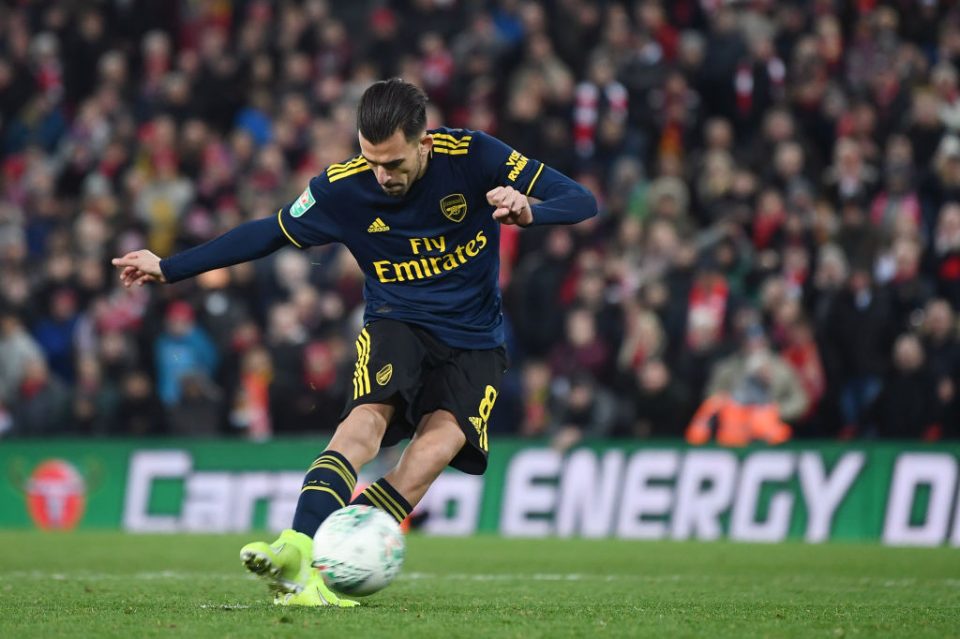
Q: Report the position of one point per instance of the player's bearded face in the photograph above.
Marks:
(397, 162)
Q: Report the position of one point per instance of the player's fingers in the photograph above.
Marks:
(505, 216)
(510, 203)
(511, 200)
(129, 259)
(143, 279)
(131, 276)
(497, 196)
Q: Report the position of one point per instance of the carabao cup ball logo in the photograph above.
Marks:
(56, 495)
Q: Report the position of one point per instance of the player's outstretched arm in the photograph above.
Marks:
(249, 241)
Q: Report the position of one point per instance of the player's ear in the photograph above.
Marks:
(426, 142)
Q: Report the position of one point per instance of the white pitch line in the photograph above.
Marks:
(536, 577)
(175, 575)
(113, 576)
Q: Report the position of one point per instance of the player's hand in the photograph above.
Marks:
(138, 268)
(512, 206)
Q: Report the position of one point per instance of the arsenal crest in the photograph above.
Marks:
(454, 207)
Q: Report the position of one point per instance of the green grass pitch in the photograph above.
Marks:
(116, 585)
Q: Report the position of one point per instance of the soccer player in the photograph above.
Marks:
(420, 211)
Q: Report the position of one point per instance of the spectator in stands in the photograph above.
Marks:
(946, 254)
(907, 405)
(43, 402)
(140, 412)
(756, 375)
(198, 409)
(658, 404)
(802, 355)
(17, 351)
(585, 409)
(182, 349)
(583, 349)
(942, 351)
(858, 336)
(54, 332)
(94, 401)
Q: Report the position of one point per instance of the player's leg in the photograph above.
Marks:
(456, 402)
(437, 441)
(327, 486)
(331, 479)
(388, 355)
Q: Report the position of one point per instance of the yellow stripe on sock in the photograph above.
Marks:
(326, 490)
(339, 463)
(345, 477)
(399, 512)
(379, 503)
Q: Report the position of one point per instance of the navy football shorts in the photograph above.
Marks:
(405, 365)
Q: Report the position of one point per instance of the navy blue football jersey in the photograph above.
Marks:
(431, 257)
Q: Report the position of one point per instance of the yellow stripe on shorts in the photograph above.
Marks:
(361, 375)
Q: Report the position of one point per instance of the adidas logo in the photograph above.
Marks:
(378, 226)
(477, 423)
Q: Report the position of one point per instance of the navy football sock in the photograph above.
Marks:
(327, 486)
(382, 495)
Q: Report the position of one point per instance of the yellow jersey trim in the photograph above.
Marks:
(284, 229)
(452, 145)
(343, 166)
(446, 137)
(533, 181)
(347, 173)
(448, 145)
(440, 149)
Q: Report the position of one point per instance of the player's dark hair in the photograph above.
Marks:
(389, 105)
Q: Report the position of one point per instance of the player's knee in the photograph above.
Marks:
(358, 436)
(435, 449)
(355, 444)
(420, 465)
(381, 414)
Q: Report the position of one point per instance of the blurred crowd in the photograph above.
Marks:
(778, 243)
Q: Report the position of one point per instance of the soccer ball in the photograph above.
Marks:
(358, 550)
